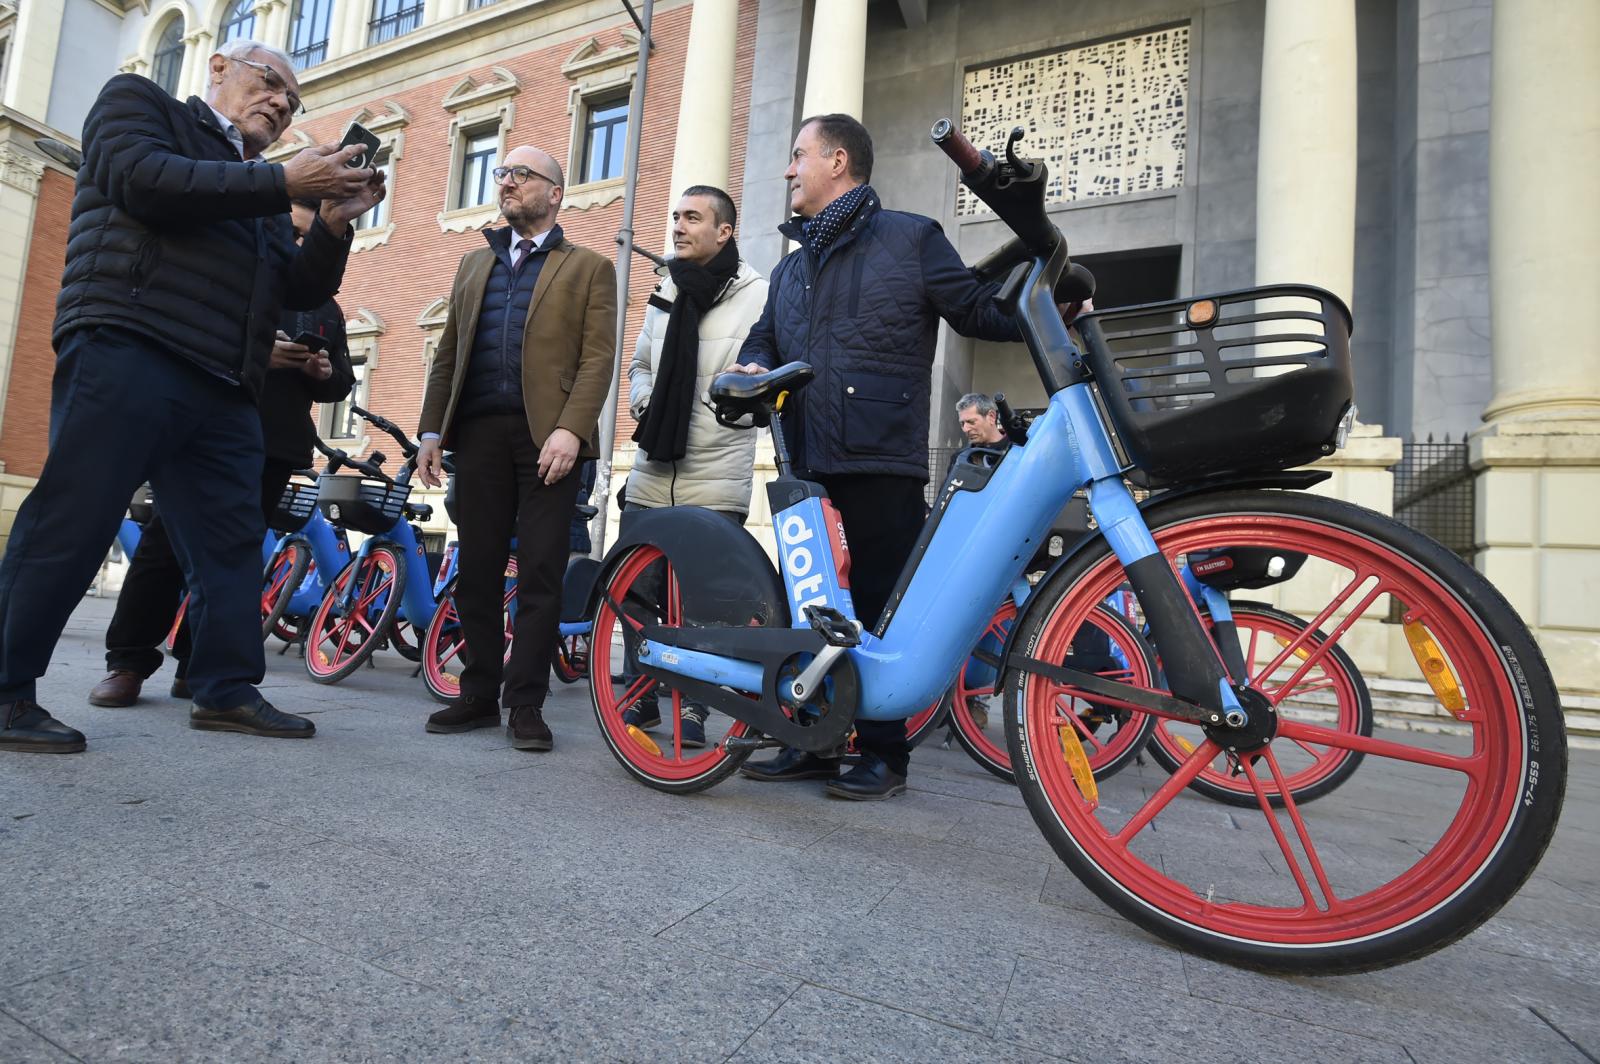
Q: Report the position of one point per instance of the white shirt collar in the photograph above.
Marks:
(229, 130)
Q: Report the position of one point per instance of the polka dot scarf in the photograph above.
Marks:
(822, 230)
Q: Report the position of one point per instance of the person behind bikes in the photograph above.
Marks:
(522, 370)
(698, 318)
(861, 301)
(296, 378)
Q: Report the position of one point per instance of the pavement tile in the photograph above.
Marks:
(20, 1044)
(938, 975)
(597, 993)
(818, 1024)
(254, 992)
(1047, 1008)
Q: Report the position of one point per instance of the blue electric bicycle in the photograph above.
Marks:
(390, 579)
(1215, 397)
(311, 553)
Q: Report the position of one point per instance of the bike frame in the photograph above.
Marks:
(330, 553)
(985, 527)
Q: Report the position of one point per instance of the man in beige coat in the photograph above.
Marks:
(521, 371)
(697, 321)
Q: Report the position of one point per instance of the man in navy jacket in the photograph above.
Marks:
(860, 300)
(179, 257)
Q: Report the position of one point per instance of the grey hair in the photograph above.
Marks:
(982, 403)
(244, 49)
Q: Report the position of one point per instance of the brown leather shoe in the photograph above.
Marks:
(180, 688)
(118, 689)
(465, 714)
(527, 729)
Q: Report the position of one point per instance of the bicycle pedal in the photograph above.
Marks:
(836, 629)
(736, 743)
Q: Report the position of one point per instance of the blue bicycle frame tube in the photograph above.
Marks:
(698, 665)
(1214, 601)
(807, 535)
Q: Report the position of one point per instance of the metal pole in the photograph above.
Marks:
(601, 497)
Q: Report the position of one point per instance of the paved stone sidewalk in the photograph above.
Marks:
(382, 894)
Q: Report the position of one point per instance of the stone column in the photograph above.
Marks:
(1306, 168)
(272, 23)
(347, 30)
(837, 66)
(702, 146)
(31, 58)
(196, 63)
(1538, 455)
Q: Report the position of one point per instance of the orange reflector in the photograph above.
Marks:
(644, 741)
(1436, 670)
(1188, 747)
(1078, 761)
(1202, 313)
(1300, 652)
(778, 403)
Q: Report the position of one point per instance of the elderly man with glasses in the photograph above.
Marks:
(521, 371)
(180, 256)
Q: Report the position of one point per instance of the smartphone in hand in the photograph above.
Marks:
(356, 133)
(311, 341)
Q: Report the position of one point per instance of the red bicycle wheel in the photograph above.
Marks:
(283, 578)
(1332, 887)
(343, 635)
(442, 644)
(1112, 735)
(1332, 693)
(641, 590)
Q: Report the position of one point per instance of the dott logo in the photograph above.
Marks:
(800, 562)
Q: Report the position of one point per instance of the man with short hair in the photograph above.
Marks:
(980, 420)
(861, 301)
(521, 371)
(698, 319)
(180, 255)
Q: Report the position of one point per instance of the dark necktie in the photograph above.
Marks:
(525, 245)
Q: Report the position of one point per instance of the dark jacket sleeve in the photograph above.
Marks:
(761, 343)
(131, 156)
(337, 386)
(959, 297)
(317, 269)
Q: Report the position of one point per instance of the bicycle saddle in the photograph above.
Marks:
(736, 394)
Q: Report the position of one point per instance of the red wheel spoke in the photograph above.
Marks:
(343, 628)
(1299, 730)
(1323, 648)
(637, 690)
(449, 655)
(1250, 656)
(1292, 807)
(1278, 835)
(1174, 786)
(1308, 748)
(1306, 633)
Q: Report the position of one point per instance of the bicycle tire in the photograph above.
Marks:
(375, 589)
(442, 643)
(1257, 916)
(283, 576)
(400, 639)
(607, 649)
(1353, 712)
(1108, 758)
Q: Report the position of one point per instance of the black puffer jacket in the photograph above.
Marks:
(866, 316)
(174, 238)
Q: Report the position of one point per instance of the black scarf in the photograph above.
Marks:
(663, 434)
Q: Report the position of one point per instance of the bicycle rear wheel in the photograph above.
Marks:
(343, 635)
(283, 577)
(1331, 692)
(1436, 832)
(1112, 735)
(642, 589)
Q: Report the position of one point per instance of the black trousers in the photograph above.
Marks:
(154, 587)
(500, 495)
(882, 516)
(123, 411)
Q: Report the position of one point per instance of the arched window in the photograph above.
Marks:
(238, 21)
(308, 32)
(167, 63)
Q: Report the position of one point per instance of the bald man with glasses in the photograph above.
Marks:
(521, 371)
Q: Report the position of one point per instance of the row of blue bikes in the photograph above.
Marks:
(1206, 607)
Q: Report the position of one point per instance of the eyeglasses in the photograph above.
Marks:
(275, 83)
(520, 175)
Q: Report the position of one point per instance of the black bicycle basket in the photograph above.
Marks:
(294, 507)
(1243, 382)
(361, 504)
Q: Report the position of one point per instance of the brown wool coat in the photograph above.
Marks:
(568, 345)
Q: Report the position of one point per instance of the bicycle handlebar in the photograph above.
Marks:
(337, 458)
(380, 422)
(955, 144)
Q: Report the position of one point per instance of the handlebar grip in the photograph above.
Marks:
(955, 144)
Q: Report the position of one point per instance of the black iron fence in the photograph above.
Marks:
(1433, 492)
